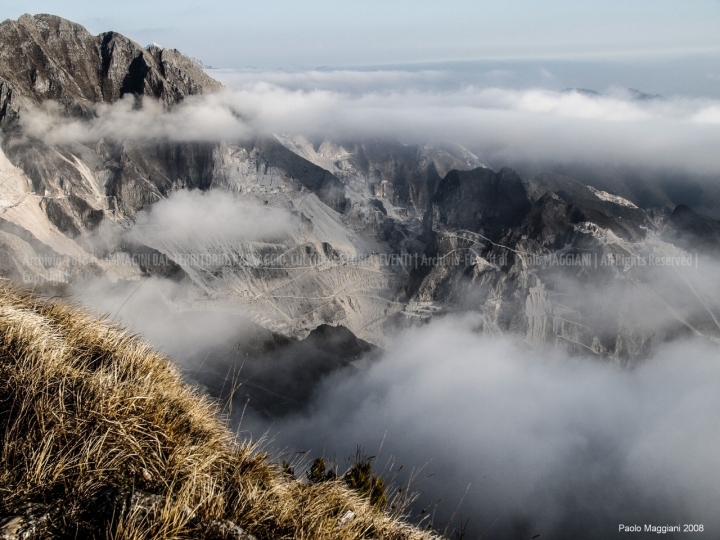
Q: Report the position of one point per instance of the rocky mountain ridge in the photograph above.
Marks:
(44, 57)
(393, 234)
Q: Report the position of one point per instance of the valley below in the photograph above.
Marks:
(539, 336)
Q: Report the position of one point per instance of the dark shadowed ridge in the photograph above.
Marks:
(693, 231)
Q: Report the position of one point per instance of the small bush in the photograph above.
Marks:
(360, 478)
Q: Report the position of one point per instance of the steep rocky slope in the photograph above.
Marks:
(565, 263)
(103, 439)
(44, 57)
(381, 234)
(403, 175)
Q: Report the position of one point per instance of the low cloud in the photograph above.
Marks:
(197, 119)
(550, 445)
(211, 219)
(146, 307)
(500, 124)
(337, 80)
(201, 232)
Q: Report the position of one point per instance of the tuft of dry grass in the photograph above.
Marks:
(91, 416)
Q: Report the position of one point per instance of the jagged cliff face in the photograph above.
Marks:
(393, 233)
(55, 193)
(67, 203)
(564, 263)
(48, 58)
(404, 176)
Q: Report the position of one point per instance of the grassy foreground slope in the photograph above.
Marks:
(100, 437)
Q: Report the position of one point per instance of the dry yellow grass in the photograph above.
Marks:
(88, 410)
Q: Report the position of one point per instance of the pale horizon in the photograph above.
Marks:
(293, 35)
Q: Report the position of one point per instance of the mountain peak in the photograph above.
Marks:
(56, 59)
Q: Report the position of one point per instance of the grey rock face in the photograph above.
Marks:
(404, 175)
(480, 200)
(31, 523)
(562, 263)
(692, 230)
(16, 528)
(226, 530)
(44, 57)
(369, 200)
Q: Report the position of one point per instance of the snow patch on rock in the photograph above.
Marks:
(609, 197)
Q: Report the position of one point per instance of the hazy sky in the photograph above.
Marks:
(311, 33)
